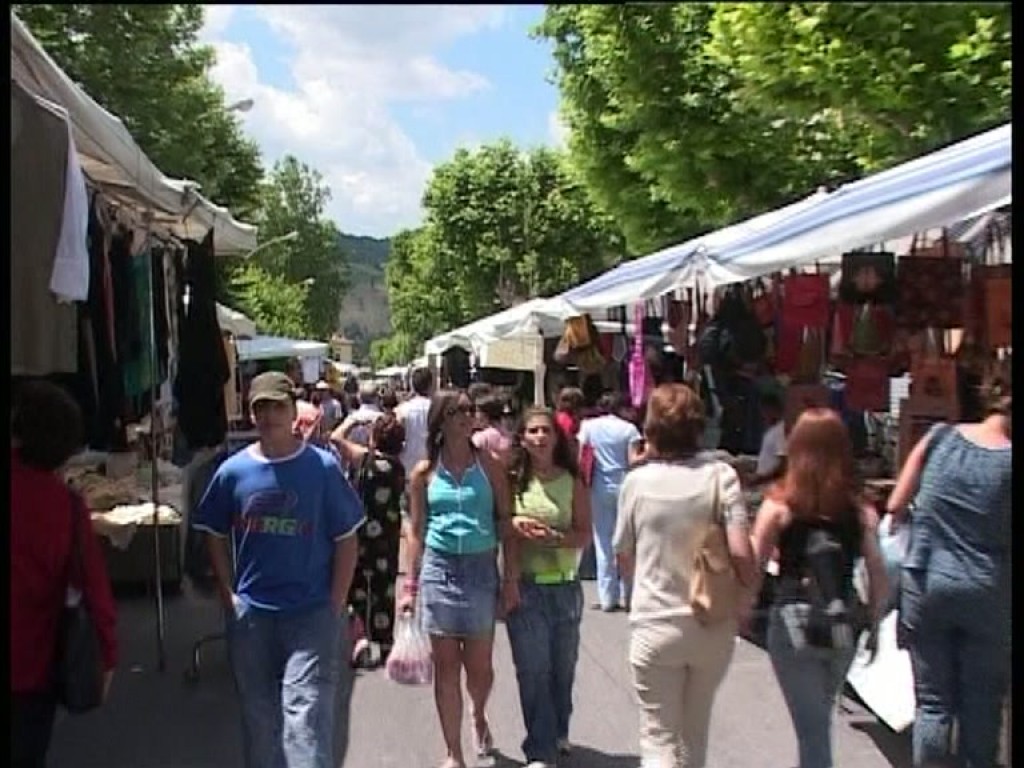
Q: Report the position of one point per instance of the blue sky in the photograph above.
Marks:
(374, 96)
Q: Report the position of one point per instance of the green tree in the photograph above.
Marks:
(688, 116)
(144, 64)
(897, 79)
(502, 226)
(397, 349)
(276, 306)
(293, 200)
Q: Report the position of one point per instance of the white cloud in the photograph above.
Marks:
(350, 64)
(558, 131)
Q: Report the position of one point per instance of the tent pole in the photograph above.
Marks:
(154, 443)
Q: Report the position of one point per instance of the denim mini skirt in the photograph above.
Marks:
(458, 593)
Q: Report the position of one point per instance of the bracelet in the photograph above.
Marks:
(411, 587)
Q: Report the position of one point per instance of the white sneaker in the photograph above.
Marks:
(564, 747)
(539, 764)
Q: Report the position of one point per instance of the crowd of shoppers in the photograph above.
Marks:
(304, 530)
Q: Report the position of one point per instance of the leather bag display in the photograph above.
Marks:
(868, 277)
(805, 301)
(931, 292)
(867, 384)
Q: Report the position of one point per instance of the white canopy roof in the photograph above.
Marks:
(235, 323)
(111, 158)
(276, 347)
(537, 316)
(956, 183)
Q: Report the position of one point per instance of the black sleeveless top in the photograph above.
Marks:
(793, 547)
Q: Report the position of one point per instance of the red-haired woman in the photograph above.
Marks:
(817, 519)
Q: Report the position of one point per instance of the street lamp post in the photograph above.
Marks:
(286, 238)
(242, 105)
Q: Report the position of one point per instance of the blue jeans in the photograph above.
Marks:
(611, 589)
(544, 632)
(811, 680)
(961, 657)
(287, 671)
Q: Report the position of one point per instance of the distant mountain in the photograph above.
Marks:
(365, 315)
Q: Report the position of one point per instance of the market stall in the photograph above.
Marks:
(112, 296)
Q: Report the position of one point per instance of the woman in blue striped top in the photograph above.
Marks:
(459, 503)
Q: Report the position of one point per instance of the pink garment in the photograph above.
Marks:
(640, 384)
(492, 439)
(307, 420)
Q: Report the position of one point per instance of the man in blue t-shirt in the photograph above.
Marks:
(291, 517)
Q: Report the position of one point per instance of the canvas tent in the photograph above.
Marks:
(111, 158)
(235, 323)
(276, 347)
(959, 182)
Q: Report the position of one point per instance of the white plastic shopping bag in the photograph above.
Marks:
(409, 662)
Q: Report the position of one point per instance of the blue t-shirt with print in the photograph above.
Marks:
(284, 517)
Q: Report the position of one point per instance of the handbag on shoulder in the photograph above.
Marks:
(714, 588)
(79, 666)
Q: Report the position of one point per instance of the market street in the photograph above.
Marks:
(157, 721)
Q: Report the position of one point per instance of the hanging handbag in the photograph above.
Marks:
(933, 385)
(762, 304)
(79, 664)
(868, 276)
(811, 361)
(931, 290)
(805, 300)
(993, 304)
(714, 588)
(864, 330)
(867, 384)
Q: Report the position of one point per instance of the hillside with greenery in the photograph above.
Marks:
(365, 314)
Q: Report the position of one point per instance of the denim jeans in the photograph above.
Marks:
(811, 679)
(611, 589)
(961, 657)
(544, 632)
(287, 672)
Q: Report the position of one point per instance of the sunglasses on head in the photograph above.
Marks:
(465, 409)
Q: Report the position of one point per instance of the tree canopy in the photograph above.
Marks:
(688, 116)
(144, 63)
(502, 225)
(292, 200)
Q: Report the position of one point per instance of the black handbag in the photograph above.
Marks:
(79, 665)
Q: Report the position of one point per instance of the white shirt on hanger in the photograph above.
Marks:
(69, 280)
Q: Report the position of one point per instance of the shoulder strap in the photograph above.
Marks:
(75, 567)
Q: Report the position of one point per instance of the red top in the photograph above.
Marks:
(40, 551)
(570, 426)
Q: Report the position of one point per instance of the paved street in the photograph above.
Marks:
(156, 721)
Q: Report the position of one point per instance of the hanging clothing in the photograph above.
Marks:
(69, 280)
(106, 427)
(158, 306)
(203, 366)
(44, 331)
(138, 369)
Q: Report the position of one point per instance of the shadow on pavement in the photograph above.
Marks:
(581, 757)
(895, 747)
(584, 757)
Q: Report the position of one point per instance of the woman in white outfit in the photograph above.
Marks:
(666, 506)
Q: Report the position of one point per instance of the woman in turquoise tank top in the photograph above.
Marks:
(458, 511)
(552, 523)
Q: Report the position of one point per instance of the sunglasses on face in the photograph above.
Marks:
(465, 410)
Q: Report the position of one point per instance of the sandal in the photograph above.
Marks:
(484, 742)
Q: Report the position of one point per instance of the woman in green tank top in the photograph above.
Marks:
(552, 525)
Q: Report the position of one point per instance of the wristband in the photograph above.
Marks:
(411, 587)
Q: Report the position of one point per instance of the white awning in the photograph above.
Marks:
(112, 160)
(235, 323)
(277, 347)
